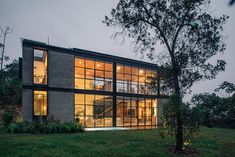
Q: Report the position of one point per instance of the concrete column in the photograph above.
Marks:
(27, 104)
(27, 66)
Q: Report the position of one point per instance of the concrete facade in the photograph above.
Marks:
(61, 106)
(60, 70)
(27, 66)
(60, 85)
(27, 104)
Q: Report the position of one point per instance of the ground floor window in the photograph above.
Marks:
(132, 111)
(94, 110)
(40, 103)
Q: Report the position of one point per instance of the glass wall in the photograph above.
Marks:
(134, 80)
(40, 103)
(40, 67)
(94, 110)
(132, 111)
(93, 74)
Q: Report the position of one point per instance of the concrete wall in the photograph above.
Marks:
(61, 105)
(161, 102)
(27, 66)
(61, 75)
(60, 70)
(27, 104)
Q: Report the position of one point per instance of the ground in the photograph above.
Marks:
(211, 142)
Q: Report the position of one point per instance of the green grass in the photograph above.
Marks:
(215, 142)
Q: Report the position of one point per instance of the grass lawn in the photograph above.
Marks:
(213, 142)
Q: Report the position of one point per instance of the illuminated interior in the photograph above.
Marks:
(93, 74)
(134, 80)
(132, 111)
(94, 110)
(40, 103)
(40, 67)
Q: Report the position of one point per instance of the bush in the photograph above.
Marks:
(190, 117)
(45, 127)
(7, 118)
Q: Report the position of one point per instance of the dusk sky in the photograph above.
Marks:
(77, 23)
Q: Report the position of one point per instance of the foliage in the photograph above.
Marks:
(190, 115)
(227, 87)
(45, 127)
(231, 2)
(7, 118)
(215, 110)
(10, 86)
(188, 34)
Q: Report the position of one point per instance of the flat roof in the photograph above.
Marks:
(87, 53)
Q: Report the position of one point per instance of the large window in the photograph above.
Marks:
(94, 110)
(135, 80)
(40, 67)
(40, 103)
(132, 111)
(93, 74)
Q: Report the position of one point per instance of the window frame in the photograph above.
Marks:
(47, 62)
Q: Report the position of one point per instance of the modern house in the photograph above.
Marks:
(96, 89)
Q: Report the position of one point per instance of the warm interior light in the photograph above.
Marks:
(98, 65)
(44, 109)
(141, 71)
(80, 62)
(118, 68)
(87, 73)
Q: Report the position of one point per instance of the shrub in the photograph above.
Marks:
(45, 127)
(7, 118)
(19, 119)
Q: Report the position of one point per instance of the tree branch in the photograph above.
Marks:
(156, 26)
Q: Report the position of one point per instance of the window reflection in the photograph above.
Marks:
(40, 67)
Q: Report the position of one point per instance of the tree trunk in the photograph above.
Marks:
(3, 49)
(179, 126)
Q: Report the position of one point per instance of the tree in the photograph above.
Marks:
(231, 2)
(4, 31)
(215, 110)
(227, 87)
(187, 33)
(10, 86)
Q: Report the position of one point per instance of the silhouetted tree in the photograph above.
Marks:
(227, 87)
(10, 86)
(231, 2)
(190, 36)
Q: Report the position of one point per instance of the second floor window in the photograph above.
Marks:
(40, 67)
(93, 74)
